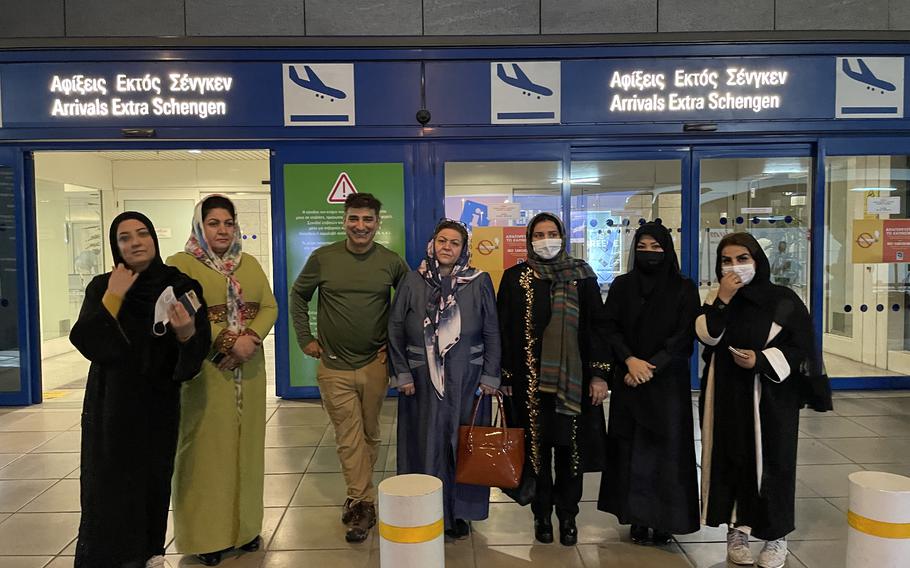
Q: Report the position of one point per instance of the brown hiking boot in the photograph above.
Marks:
(363, 518)
(347, 511)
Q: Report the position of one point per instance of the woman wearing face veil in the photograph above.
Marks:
(132, 398)
(761, 367)
(218, 480)
(553, 364)
(443, 346)
(650, 478)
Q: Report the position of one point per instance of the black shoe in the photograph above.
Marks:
(639, 534)
(661, 538)
(210, 558)
(543, 529)
(347, 511)
(460, 531)
(253, 545)
(568, 532)
(363, 518)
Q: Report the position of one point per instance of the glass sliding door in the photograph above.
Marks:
(768, 197)
(495, 190)
(611, 198)
(867, 266)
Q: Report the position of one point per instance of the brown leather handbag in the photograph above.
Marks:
(490, 455)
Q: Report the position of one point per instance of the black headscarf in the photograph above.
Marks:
(654, 305)
(152, 280)
(760, 290)
(787, 310)
(651, 277)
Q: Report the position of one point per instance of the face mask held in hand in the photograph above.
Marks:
(746, 272)
(547, 248)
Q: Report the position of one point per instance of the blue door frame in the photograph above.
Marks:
(847, 146)
(415, 202)
(690, 157)
(748, 151)
(26, 280)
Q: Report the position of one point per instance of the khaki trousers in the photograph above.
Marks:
(353, 401)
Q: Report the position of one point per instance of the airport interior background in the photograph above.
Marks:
(861, 304)
(866, 323)
(79, 193)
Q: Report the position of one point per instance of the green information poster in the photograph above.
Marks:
(314, 215)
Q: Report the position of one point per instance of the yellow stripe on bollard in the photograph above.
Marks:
(878, 528)
(411, 535)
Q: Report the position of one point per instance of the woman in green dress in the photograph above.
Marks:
(218, 477)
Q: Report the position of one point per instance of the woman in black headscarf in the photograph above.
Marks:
(131, 408)
(650, 478)
(553, 364)
(761, 367)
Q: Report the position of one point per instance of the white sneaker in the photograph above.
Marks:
(738, 548)
(773, 554)
(156, 562)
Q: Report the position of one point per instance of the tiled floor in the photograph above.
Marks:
(39, 494)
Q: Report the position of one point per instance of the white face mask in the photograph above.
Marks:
(547, 248)
(165, 301)
(746, 272)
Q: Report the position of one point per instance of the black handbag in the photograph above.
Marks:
(527, 487)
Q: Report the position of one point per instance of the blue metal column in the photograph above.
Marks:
(817, 242)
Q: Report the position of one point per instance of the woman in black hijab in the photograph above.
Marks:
(761, 367)
(131, 408)
(650, 478)
(553, 364)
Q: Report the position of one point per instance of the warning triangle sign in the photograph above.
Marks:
(342, 189)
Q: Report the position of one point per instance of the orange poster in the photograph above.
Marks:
(867, 241)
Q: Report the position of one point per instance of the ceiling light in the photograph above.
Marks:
(577, 181)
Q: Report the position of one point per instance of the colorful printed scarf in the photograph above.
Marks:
(442, 324)
(561, 371)
(226, 265)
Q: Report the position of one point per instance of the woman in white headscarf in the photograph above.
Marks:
(218, 481)
(443, 346)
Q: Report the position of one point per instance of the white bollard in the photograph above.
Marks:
(411, 522)
(879, 519)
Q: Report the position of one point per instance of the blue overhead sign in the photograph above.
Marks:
(458, 93)
(715, 89)
(159, 94)
(607, 91)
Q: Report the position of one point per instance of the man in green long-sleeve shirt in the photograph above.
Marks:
(354, 278)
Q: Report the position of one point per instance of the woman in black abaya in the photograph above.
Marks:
(553, 364)
(761, 367)
(131, 409)
(650, 478)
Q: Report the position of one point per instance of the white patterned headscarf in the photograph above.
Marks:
(442, 324)
(225, 264)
